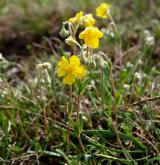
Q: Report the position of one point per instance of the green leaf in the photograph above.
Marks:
(80, 124)
(74, 126)
(111, 134)
(82, 85)
(62, 154)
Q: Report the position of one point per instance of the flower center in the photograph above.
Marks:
(70, 69)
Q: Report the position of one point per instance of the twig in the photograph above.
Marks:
(143, 101)
(148, 142)
(50, 45)
(23, 157)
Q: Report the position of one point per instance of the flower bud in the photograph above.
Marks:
(63, 33)
(89, 59)
(96, 57)
(44, 65)
(70, 41)
(103, 63)
(93, 64)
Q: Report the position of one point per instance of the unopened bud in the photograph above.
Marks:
(70, 41)
(93, 64)
(96, 57)
(45, 65)
(103, 63)
(89, 59)
(63, 33)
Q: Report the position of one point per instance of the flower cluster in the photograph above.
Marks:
(72, 69)
(90, 33)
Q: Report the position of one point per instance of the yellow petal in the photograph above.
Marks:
(61, 71)
(77, 18)
(81, 35)
(80, 72)
(88, 20)
(63, 62)
(72, 20)
(69, 79)
(91, 32)
(98, 33)
(74, 60)
(93, 42)
(91, 36)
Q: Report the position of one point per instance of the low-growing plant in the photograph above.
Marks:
(94, 108)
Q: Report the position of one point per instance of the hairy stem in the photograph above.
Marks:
(69, 115)
(77, 121)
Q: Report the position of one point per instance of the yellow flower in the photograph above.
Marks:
(102, 10)
(88, 20)
(70, 69)
(77, 18)
(91, 36)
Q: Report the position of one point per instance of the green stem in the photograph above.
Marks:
(114, 97)
(77, 109)
(81, 144)
(113, 23)
(69, 115)
(102, 88)
(77, 121)
(112, 81)
(70, 102)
